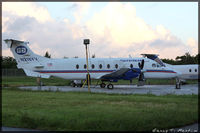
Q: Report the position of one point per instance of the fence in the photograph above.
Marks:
(12, 72)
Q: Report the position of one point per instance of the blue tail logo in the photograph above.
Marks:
(21, 50)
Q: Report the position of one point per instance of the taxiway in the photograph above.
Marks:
(124, 89)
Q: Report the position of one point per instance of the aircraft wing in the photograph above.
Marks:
(155, 58)
(123, 73)
(116, 74)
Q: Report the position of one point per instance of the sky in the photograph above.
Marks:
(115, 29)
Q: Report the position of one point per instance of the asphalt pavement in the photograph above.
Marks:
(124, 89)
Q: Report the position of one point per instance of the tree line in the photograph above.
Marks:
(183, 60)
(10, 63)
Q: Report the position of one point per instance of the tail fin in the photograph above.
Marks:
(25, 57)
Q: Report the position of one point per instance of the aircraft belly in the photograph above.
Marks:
(159, 75)
(189, 76)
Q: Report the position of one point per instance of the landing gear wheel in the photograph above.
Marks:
(79, 85)
(102, 85)
(178, 86)
(73, 84)
(110, 86)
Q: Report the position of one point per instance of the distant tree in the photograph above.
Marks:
(196, 59)
(65, 57)
(169, 61)
(47, 55)
(8, 62)
(184, 59)
(75, 56)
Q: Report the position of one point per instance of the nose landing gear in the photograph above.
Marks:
(178, 83)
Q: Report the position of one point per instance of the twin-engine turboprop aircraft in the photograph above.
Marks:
(104, 69)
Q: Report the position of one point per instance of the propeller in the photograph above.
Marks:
(141, 66)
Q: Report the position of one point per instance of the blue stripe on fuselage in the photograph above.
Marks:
(97, 71)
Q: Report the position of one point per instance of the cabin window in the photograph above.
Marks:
(131, 65)
(116, 66)
(93, 66)
(85, 66)
(100, 66)
(77, 66)
(190, 70)
(108, 66)
(195, 70)
(153, 65)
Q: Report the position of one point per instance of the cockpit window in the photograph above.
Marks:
(153, 65)
(158, 65)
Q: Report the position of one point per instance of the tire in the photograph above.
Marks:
(102, 85)
(73, 84)
(81, 85)
(110, 86)
(178, 86)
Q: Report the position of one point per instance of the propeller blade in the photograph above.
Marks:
(141, 65)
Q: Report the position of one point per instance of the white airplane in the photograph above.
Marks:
(104, 69)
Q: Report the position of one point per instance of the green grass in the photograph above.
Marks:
(31, 81)
(74, 111)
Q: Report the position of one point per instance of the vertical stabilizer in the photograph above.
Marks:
(25, 57)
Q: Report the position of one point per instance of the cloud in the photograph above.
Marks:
(192, 45)
(125, 33)
(114, 31)
(120, 22)
(31, 9)
(80, 10)
(43, 34)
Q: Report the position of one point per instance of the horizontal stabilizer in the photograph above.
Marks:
(35, 74)
(10, 42)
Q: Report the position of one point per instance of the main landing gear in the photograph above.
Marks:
(109, 86)
(77, 83)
